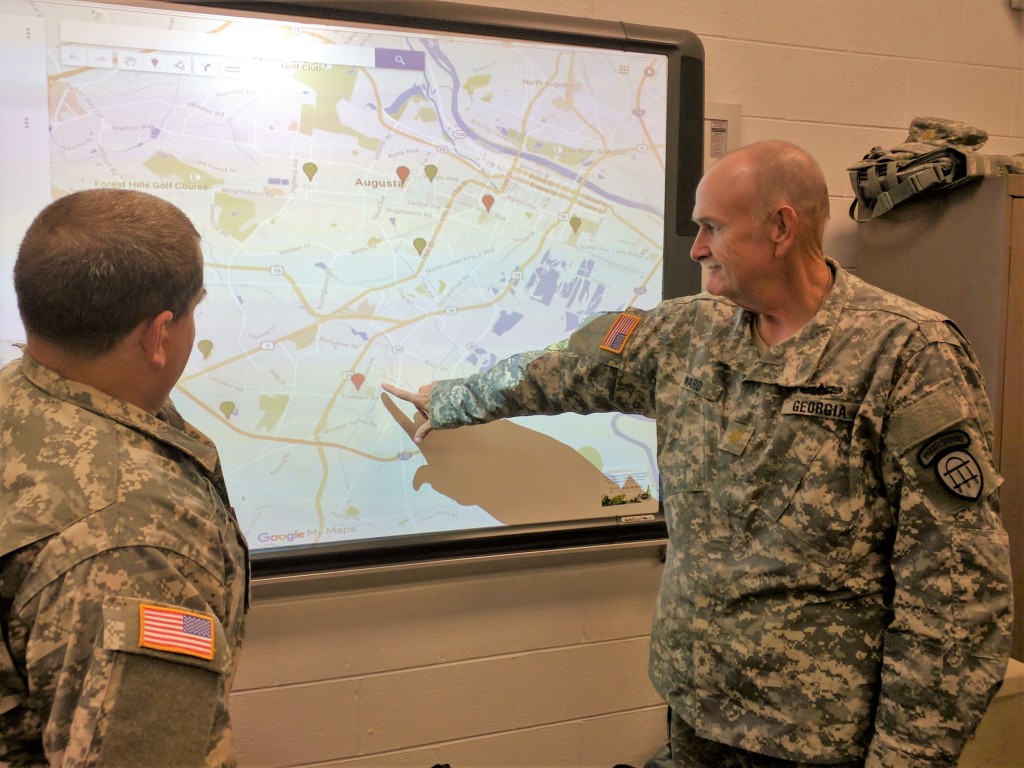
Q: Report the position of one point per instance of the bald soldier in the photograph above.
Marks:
(123, 572)
(837, 589)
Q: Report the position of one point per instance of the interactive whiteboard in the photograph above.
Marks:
(383, 195)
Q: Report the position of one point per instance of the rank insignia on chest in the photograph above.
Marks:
(176, 631)
(617, 336)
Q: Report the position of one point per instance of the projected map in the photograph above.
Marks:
(376, 206)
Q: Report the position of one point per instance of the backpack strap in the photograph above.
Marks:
(938, 154)
(884, 179)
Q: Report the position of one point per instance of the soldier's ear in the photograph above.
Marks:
(154, 339)
(782, 227)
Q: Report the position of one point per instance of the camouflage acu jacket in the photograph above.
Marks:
(123, 582)
(837, 584)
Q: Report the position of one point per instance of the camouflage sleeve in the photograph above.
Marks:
(605, 365)
(134, 661)
(19, 726)
(947, 647)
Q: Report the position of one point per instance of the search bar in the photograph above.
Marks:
(248, 42)
(397, 58)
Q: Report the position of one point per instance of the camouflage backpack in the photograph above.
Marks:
(938, 155)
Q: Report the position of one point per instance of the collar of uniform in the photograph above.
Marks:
(109, 407)
(792, 362)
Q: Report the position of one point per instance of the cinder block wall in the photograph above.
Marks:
(538, 662)
(519, 661)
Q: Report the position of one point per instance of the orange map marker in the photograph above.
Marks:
(488, 201)
(402, 172)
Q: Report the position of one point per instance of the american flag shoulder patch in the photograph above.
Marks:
(176, 631)
(619, 333)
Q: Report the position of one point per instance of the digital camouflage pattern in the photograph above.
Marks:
(939, 130)
(837, 582)
(104, 508)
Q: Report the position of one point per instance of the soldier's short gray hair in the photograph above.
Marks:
(784, 174)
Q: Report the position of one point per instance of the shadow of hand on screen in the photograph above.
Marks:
(513, 473)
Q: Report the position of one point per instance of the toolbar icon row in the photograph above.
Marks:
(150, 61)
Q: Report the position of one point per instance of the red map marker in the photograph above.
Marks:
(488, 201)
(402, 172)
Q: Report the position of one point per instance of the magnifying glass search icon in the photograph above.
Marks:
(399, 60)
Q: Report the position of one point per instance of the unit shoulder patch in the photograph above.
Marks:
(955, 467)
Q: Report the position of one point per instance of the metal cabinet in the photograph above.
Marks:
(962, 253)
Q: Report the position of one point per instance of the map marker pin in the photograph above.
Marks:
(402, 173)
(227, 408)
(419, 244)
(488, 201)
(310, 170)
(358, 379)
(575, 222)
(431, 171)
(206, 347)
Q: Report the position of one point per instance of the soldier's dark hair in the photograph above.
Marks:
(95, 264)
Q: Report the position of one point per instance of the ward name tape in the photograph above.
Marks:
(169, 629)
(617, 336)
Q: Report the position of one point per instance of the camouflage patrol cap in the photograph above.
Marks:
(939, 130)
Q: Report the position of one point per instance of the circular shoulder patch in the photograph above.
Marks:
(956, 469)
(959, 472)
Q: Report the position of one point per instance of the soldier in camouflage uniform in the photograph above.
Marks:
(837, 587)
(123, 572)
